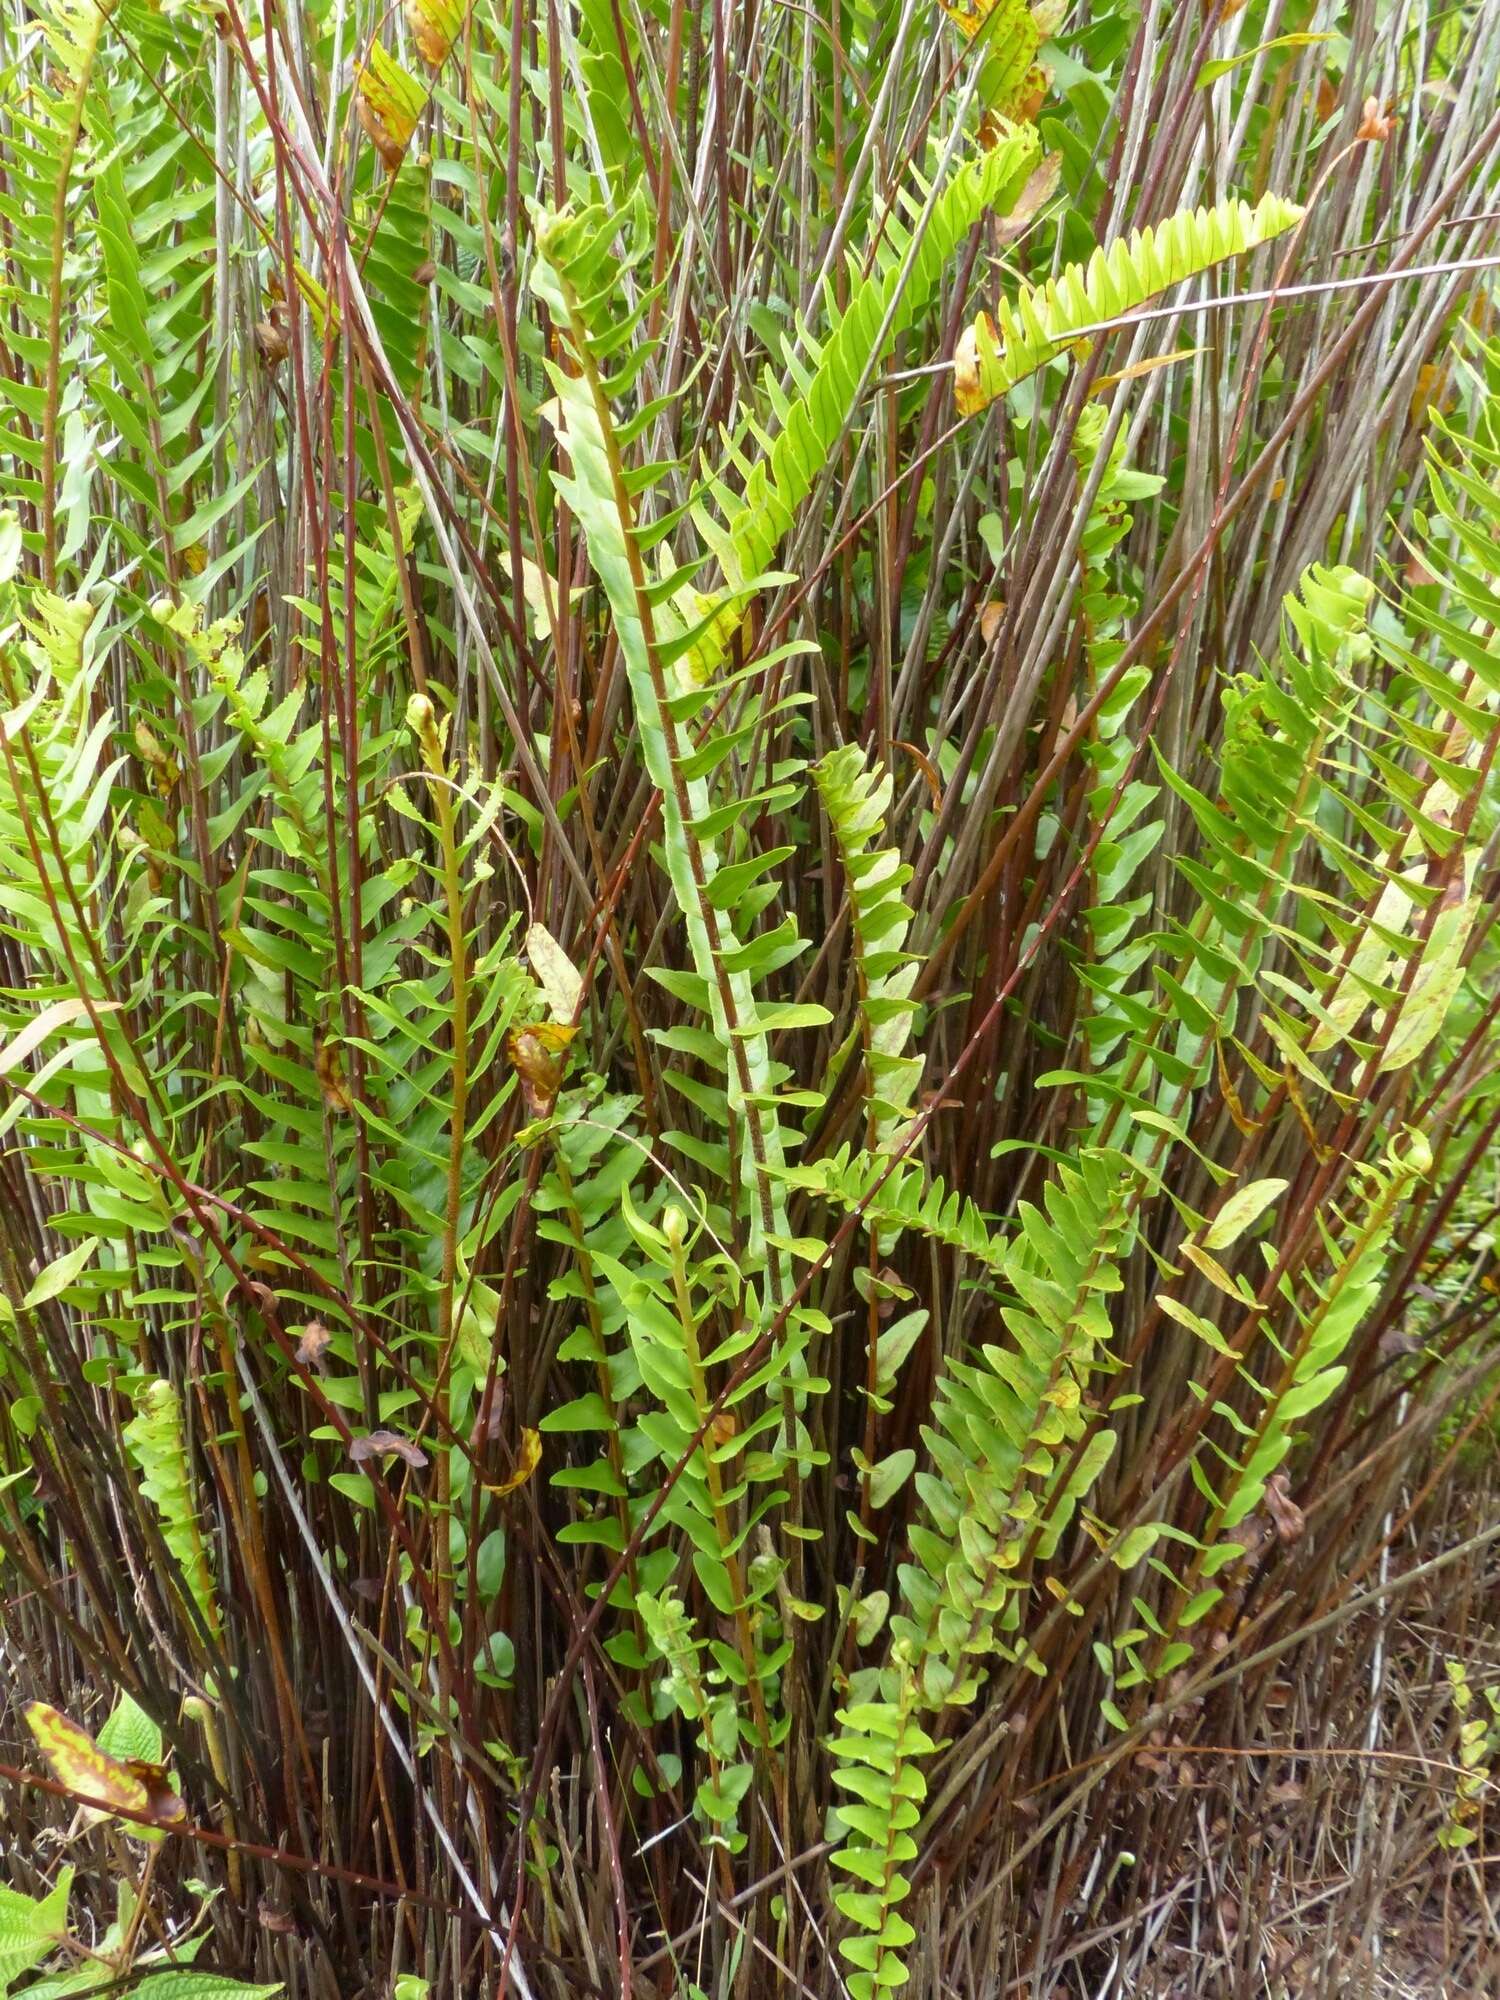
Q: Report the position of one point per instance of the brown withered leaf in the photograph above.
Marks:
(162, 1802)
(158, 761)
(539, 1056)
(926, 766)
(1033, 198)
(312, 1344)
(723, 1429)
(1291, 1522)
(328, 1062)
(1376, 123)
(383, 1444)
(272, 340)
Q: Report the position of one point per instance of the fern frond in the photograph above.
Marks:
(751, 526)
(900, 1197)
(877, 1754)
(598, 493)
(1011, 1454)
(1044, 318)
(857, 800)
(155, 1440)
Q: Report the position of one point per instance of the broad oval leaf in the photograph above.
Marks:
(1241, 1209)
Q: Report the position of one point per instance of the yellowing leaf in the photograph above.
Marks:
(1435, 987)
(14, 1052)
(1370, 966)
(528, 1458)
(434, 26)
(109, 1784)
(539, 1054)
(1241, 1209)
(1012, 83)
(1185, 1316)
(389, 103)
(556, 974)
(968, 16)
(1211, 1269)
(1148, 366)
(328, 1065)
(977, 345)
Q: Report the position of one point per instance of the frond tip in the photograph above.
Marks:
(991, 360)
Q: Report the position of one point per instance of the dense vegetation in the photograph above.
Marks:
(748, 998)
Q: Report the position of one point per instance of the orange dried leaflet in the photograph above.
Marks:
(539, 1056)
(434, 26)
(389, 104)
(528, 1458)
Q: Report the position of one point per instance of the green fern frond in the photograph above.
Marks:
(1131, 836)
(900, 1197)
(877, 1752)
(1012, 1453)
(155, 1440)
(751, 526)
(857, 800)
(1314, 1366)
(598, 491)
(1046, 317)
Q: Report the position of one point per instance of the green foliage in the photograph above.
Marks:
(34, 1928)
(1045, 318)
(857, 801)
(912, 251)
(1478, 1739)
(158, 1449)
(30, 1928)
(742, 1132)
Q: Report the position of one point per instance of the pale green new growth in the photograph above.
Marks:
(1044, 318)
